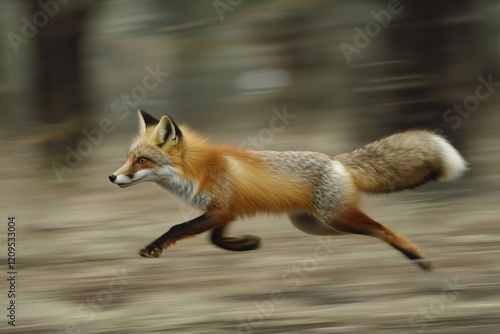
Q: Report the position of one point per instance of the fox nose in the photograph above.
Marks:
(112, 177)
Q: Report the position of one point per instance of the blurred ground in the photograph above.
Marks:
(79, 272)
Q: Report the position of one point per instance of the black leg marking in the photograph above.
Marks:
(193, 227)
(237, 244)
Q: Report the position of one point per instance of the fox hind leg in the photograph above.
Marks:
(237, 244)
(357, 222)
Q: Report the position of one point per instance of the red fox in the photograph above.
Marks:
(319, 193)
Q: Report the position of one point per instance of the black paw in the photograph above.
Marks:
(250, 242)
(151, 251)
(238, 244)
(424, 264)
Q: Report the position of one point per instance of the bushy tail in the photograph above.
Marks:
(403, 161)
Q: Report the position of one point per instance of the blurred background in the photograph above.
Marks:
(72, 75)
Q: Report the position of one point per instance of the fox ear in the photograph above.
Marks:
(167, 130)
(145, 120)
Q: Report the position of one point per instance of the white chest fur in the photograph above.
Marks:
(186, 190)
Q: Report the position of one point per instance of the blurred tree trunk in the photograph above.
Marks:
(58, 84)
(429, 39)
(434, 62)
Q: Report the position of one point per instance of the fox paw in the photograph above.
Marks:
(151, 251)
(237, 244)
(424, 264)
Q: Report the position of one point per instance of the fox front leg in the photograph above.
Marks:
(188, 229)
(237, 244)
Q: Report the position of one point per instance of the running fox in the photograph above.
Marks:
(319, 193)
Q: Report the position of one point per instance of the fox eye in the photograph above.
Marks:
(141, 160)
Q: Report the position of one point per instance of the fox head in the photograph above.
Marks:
(154, 154)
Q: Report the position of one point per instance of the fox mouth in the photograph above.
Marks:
(126, 180)
(124, 185)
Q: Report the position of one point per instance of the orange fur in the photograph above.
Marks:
(252, 188)
(255, 188)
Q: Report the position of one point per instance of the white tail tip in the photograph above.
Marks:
(454, 164)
